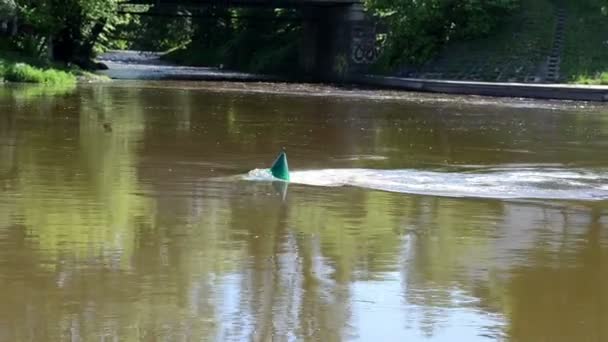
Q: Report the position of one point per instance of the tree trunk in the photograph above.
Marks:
(67, 42)
(89, 44)
(49, 46)
(14, 26)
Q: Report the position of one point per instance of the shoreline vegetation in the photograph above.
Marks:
(597, 79)
(52, 43)
(503, 41)
(17, 68)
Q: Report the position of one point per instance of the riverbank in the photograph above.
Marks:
(149, 66)
(17, 68)
(546, 41)
(541, 42)
(576, 92)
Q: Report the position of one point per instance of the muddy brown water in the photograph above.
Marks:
(129, 211)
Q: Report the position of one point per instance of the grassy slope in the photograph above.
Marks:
(585, 57)
(517, 50)
(513, 53)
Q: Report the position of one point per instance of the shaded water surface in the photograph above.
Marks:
(130, 211)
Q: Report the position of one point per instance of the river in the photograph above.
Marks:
(137, 210)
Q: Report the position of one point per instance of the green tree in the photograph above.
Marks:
(7, 8)
(419, 28)
(70, 28)
(160, 30)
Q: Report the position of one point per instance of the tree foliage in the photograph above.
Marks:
(73, 26)
(7, 8)
(252, 39)
(418, 28)
(153, 30)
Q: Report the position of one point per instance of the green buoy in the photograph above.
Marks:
(279, 168)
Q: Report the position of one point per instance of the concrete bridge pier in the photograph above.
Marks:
(337, 42)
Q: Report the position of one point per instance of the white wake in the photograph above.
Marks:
(536, 183)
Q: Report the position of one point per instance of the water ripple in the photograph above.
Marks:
(501, 183)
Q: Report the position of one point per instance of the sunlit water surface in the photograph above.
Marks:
(142, 211)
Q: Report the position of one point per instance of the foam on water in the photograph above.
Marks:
(537, 183)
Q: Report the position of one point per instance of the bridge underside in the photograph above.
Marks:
(339, 42)
(337, 38)
(245, 3)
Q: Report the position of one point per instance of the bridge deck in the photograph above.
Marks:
(245, 3)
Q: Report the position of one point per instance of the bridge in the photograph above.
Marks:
(338, 38)
(246, 3)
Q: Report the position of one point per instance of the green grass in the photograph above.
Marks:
(601, 78)
(16, 67)
(585, 56)
(21, 72)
